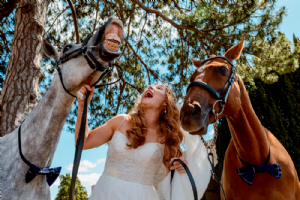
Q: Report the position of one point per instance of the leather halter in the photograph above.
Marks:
(85, 50)
(212, 91)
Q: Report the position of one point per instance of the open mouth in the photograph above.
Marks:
(148, 94)
(112, 42)
(113, 36)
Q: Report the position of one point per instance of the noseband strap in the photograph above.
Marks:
(211, 91)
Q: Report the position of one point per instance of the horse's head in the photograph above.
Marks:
(103, 45)
(196, 113)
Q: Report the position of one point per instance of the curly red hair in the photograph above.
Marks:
(169, 132)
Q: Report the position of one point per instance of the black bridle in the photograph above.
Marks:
(85, 50)
(222, 99)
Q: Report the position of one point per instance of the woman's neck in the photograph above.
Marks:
(152, 117)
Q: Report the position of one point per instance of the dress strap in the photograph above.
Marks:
(122, 122)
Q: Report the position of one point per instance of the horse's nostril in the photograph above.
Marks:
(197, 109)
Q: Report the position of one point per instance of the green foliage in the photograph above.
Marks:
(277, 106)
(64, 188)
(6, 35)
(158, 46)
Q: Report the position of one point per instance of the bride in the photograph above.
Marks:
(139, 143)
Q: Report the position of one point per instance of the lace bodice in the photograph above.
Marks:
(138, 165)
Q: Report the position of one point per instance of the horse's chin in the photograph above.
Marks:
(201, 131)
(204, 122)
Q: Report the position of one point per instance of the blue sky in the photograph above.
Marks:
(92, 161)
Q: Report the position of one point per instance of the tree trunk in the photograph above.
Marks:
(23, 75)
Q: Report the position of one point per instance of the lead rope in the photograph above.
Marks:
(190, 177)
(210, 155)
(81, 134)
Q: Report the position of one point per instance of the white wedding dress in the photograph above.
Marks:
(129, 173)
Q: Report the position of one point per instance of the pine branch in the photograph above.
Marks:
(149, 71)
(177, 6)
(120, 97)
(149, 10)
(223, 27)
(75, 21)
(142, 31)
(4, 40)
(56, 19)
(106, 11)
(202, 43)
(121, 10)
(130, 17)
(189, 44)
(97, 9)
(8, 8)
(182, 57)
(133, 86)
(238, 22)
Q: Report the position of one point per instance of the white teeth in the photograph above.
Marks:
(112, 37)
(113, 44)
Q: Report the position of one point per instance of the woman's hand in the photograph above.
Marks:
(178, 166)
(81, 94)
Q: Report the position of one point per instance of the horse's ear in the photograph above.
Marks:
(49, 50)
(196, 62)
(234, 52)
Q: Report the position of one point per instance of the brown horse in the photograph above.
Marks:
(250, 140)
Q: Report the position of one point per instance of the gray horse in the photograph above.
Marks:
(41, 130)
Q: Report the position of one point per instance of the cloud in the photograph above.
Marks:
(86, 165)
(212, 132)
(57, 182)
(88, 180)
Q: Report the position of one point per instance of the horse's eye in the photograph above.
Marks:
(223, 70)
(66, 48)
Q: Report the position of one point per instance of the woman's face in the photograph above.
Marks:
(154, 97)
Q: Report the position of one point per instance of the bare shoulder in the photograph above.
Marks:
(117, 120)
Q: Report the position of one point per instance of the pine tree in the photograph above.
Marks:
(64, 188)
(160, 39)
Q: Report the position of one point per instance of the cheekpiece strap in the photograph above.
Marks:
(61, 80)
